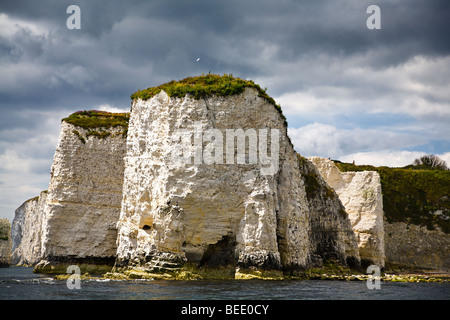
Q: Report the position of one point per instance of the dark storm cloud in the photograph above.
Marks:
(317, 58)
(124, 46)
(159, 40)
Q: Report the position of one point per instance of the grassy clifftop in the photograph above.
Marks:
(98, 119)
(97, 123)
(205, 86)
(420, 197)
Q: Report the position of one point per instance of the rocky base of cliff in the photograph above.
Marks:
(190, 271)
(59, 265)
(154, 261)
(331, 270)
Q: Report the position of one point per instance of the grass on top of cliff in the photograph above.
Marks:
(412, 194)
(205, 86)
(98, 119)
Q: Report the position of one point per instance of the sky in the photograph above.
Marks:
(375, 96)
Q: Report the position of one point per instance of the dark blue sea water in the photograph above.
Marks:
(20, 283)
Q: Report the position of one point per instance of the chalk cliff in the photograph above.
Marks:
(27, 231)
(416, 210)
(176, 185)
(360, 193)
(203, 173)
(188, 195)
(85, 191)
(5, 242)
(416, 246)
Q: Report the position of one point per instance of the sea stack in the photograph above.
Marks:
(212, 179)
(84, 196)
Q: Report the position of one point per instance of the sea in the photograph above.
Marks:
(30, 294)
(20, 283)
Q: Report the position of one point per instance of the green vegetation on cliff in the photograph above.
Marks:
(98, 122)
(311, 179)
(98, 119)
(4, 229)
(205, 86)
(420, 197)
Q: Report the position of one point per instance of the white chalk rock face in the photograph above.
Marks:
(84, 196)
(26, 231)
(191, 194)
(360, 193)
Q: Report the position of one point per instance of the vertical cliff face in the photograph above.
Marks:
(191, 194)
(207, 176)
(85, 191)
(27, 231)
(5, 242)
(185, 209)
(360, 193)
(330, 225)
(416, 246)
(416, 214)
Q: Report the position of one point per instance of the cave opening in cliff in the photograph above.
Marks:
(222, 253)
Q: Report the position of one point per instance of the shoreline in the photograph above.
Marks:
(410, 276)
(329, 271)
(357, 277)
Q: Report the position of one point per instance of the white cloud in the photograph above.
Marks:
(9, 26)
(318, 139)
(378, 147)
(107, 107)
(18, 182)
(390, 158)
(319, 66)
(26, 157)
(18, 186)
(446, 157)
(418, 88)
